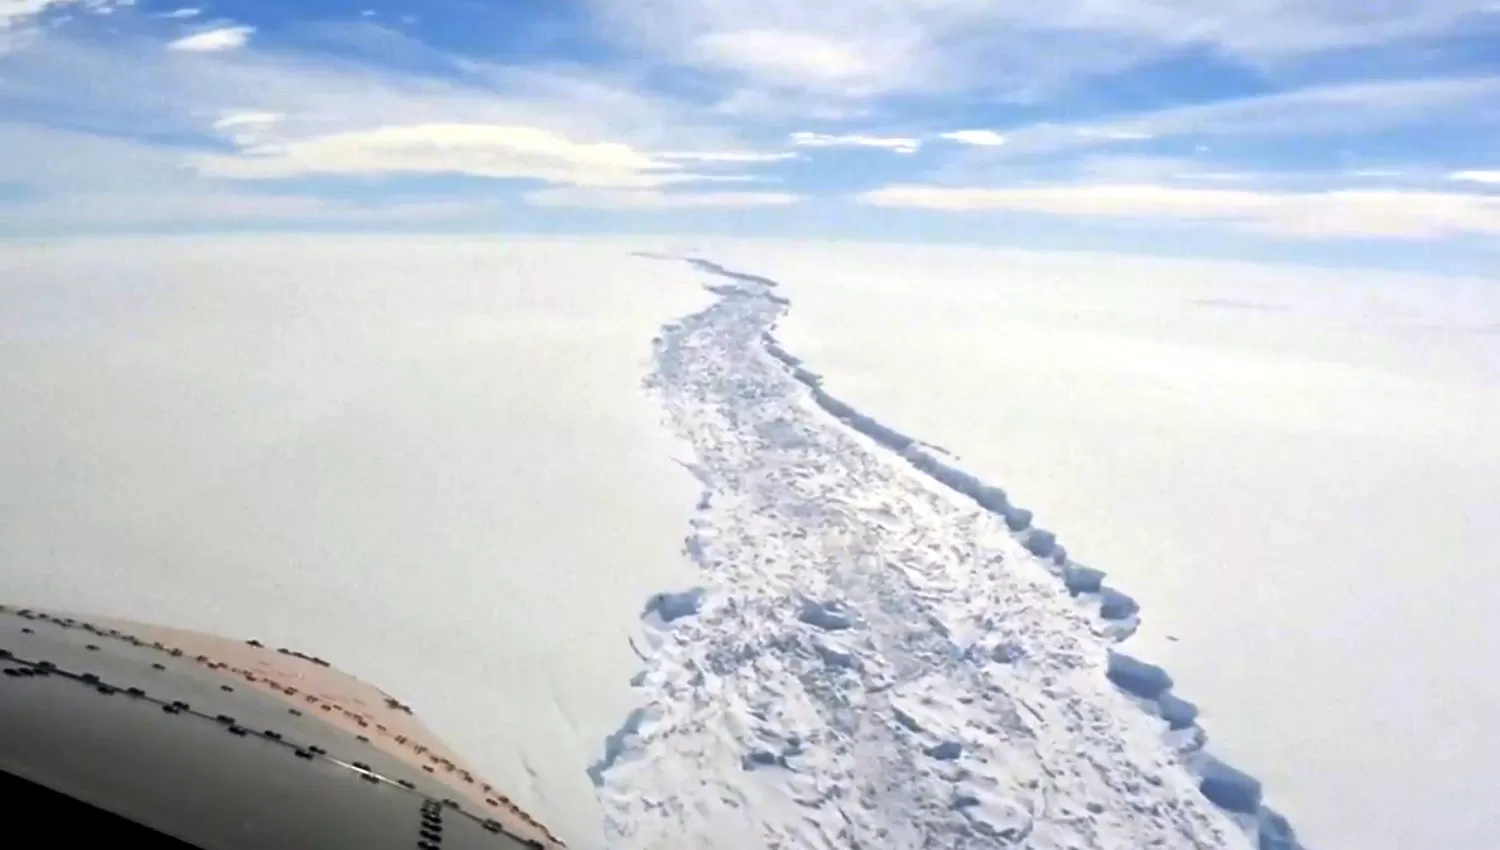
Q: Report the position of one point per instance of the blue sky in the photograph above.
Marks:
(1306, 128)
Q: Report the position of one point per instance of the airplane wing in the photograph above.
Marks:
(112, 729)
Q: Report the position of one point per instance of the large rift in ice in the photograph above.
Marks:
(881, 650)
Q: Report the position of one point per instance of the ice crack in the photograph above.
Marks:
(869, 660)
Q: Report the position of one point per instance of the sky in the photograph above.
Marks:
(1324, 130)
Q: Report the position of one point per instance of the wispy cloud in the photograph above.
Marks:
(1116, 169)
(729, 156)
(13, 12)
(132, 85)
(786, 58)
(22, 19)
(1113, 134)
(1346, 109)
(1491, 177)
(1215, 176)
(87, 181)
(246, 127)
(291, 115)
(210, 41)
(656, 200)
(476, 150)
(898, 144)
(864, 48)
(1315, 215)
(205, 207)
(687, 97)
(978, 138)
(61, 162)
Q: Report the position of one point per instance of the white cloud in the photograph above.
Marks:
(132, 85)
(293, 114)
(246, 119)
(1215, 176)
(15, 12)
(1108, 169)
(210, 41)
(1481, 176)
(186, 12)
(785, 58)
(204, 207)
(979, 138)
(247, 127)
(649, 199)
(729, 156)
(50, 160)
(297, 114)
(1343, 109)
(695, 177)
(476, 150)
(780, 106)
(837, 48)
(1334, 214)
(898, 144)
(21, 19)
(1113, 134)
(871, 47)
(86, 180)
(1353, 107)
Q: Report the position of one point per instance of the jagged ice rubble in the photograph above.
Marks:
(882, 651)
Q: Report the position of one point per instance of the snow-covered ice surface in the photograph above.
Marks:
(1294, 470)
(428, 460)
(879, 652)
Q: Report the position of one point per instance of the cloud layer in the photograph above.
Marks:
(863, 48)
(981, 138)
(897, 144)
(1331, 119)
(479, 150)
(1314, 215)
(210, 41)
